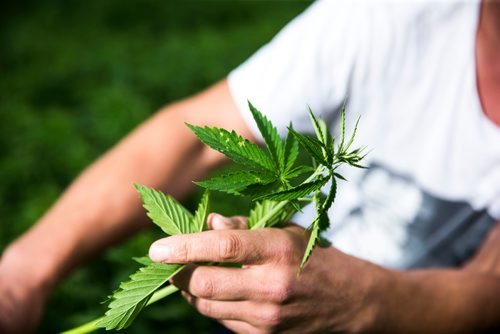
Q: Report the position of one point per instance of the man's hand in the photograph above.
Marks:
(269, 293)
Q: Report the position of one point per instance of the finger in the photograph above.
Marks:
(231, 246)
(229, 284)
(216, 221)
(258, 315)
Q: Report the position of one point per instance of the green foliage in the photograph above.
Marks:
(297, 192)
(279, 200)
(166, 212)
(201, 214)
(236, 182)
(134, 294)
(235, 147)
(269, 214)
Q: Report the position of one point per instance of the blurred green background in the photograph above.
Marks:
(75, 76)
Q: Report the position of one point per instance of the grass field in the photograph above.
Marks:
(75, 76)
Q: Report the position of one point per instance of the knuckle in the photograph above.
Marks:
(230, 247)
(272, 317)
(281, 289)
(241, 222)
(203, 287)
(182, 253)
(281, 293)
(204, 307)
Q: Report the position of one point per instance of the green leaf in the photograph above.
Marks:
(234, 182)
(342, 126)
(291, 150)
(298, 191)
(166, 212)
(270, 213)
(337, 175)
(312, 145)
(271, 137)
(297, 171)
(144, 260)
(351, 140)
(257, 190)
(324, 136)
(313, 238)
(319, 133)
(331, 195)
(235, 147)
(134, 294)
(201, 214)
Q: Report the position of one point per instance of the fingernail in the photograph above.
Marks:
(159, 252)
(219, 222)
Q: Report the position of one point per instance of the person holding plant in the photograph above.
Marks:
(416, 237)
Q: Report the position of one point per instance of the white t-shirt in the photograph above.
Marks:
(433, 189)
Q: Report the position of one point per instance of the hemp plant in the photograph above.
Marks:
(269, 175)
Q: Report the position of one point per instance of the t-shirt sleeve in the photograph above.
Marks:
(309, 63)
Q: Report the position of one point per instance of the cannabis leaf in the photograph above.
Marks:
(297, 192)
(270, 213)
(235, 147)
(270, 176)
(134, 294)
(201, 214)
(165, 211)
(271, 138)
(236, 182)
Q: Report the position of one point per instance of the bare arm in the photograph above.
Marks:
(101, 207)
(465, 300)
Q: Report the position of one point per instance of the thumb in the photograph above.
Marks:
(216, 221)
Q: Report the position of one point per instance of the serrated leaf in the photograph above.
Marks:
(235, 147)
(134, 294)
(166, 212)
(312, 145)
(201, 214)
(351, 140)
(313, 238)
(269, 213)
(342, 126)
(291, 151)
(234, 182)
(324, 136)
(329, 142)
(297, 171)
(298, 191)
(317, 128)
(271, 137)
(331, 196)
(339, 176)
(257, 190)
(144, 260)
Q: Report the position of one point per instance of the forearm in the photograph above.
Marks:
(101, 207)
(437, 301)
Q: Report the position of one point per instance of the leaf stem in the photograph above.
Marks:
(90, 326)
(262, 222)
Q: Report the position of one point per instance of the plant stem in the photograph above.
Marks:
(90, 326)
